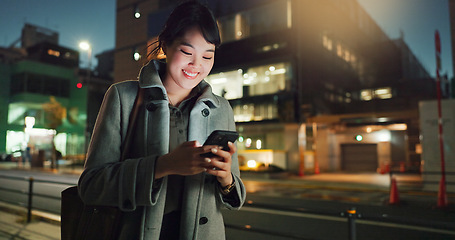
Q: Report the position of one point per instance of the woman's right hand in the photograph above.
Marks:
(184, 160)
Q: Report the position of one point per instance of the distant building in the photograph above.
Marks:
(315, 85)
(30, 77)
(97, 84)
(32, 35)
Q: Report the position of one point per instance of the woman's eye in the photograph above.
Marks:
(186, 53)
(207, 58)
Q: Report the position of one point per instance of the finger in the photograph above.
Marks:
(191, 144)
(216, 172)
(205, 152)
(221, 153)
(221, 165)
(232, 147)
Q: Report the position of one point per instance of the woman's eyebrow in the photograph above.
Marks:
(191, 46)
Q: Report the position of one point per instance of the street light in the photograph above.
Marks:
(85, 46)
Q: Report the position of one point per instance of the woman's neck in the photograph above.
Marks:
(175, 93)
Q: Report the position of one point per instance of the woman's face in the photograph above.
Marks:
(189, 60)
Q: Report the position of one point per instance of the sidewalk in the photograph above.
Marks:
(13, 224)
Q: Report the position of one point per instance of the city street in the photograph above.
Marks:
(343, 115)
(279, 206)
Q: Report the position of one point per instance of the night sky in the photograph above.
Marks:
(94, 21)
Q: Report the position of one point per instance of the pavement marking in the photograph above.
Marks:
(292, 214)
(404, 226)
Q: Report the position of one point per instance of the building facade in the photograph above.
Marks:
(315, 85)
(41, 105)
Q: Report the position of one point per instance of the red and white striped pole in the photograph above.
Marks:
(442, 195)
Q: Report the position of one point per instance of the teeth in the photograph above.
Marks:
(190, 74)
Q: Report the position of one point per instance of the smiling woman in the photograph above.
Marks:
(165, 185)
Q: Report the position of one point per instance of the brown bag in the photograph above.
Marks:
(80, 221)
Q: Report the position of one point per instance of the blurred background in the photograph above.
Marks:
(353, 89)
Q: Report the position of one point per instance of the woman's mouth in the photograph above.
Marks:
(190, 74)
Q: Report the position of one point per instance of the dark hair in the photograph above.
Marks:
(185, 16)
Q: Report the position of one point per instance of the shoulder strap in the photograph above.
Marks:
(132, 121)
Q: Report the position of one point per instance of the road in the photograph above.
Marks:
(287, 218)
(286, 209)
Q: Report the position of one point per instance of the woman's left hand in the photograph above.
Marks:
(220, 166)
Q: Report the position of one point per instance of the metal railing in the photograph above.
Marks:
(30, 194)
(351, 216)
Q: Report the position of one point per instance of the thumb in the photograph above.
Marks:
(193, 144)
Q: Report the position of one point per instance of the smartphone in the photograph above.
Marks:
(220, 138)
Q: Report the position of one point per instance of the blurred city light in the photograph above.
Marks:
(137, 13)
(84, 45)
(384, 136)
(251, 164)
(29, 122)
(359, 138)
(248, 142)
(136, 56)
(258, 144)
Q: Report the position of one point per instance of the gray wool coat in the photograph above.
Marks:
(129, 184)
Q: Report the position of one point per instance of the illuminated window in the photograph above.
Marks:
(378, 93)
(241, 26)
(383, 93)
(255, 112)
(339, 50)
(53, 53)
(366, 95)
(273, 16)
(255, 81)
(327, 42)
(347, 55)
(271, 47)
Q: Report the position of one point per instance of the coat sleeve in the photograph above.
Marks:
(106, 180)
(235, 200)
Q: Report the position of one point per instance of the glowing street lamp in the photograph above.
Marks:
(85, 46)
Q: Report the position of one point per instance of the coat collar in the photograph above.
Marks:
(149, 77)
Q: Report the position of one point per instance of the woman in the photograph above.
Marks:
(164, 187)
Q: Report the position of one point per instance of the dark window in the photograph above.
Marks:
(18, 83)
(40, 84)
(34, 84)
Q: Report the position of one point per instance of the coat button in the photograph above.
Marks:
(203, 220)
(151, 107)
(205, 112)
(178, 114)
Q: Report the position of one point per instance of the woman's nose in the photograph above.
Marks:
(195, 61)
